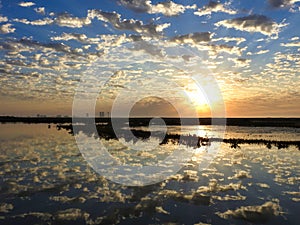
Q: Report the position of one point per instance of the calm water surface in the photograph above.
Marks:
(45, 180)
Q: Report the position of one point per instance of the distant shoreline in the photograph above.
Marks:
(250, 122)
(107, 132)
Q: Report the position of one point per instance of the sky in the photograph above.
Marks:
(151, 58)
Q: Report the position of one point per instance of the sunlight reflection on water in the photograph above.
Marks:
(44, 179)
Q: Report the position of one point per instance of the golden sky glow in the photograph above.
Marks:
(250, 49)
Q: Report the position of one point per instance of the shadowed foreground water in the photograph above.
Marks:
(45, 180)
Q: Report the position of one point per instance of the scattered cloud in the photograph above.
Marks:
(40, 22)
(66, 37)
(134, 37)
(240, 62)
(282, 3)
(63, 20)
(193, 38)
(148, 48)
(262, 52)
(26, 4)
(6, 28)
(263, 212)
(167, 8)
(213, 7)
(253, 23)
(238, 40)
(201, 40)
(294, 38)
(40, 10)
(127, 24)
(29, 45)
(108, 41)
(137, 5)
(3, 19)
(33, 59)
(234, 50)
(291, 44)
(67, 20)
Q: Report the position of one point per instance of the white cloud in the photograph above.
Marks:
(57, 47)
(253, 23)
(137, 5)
(291, 44)
(193, 38)
(240, 62)
(40, 10)
(262, 52)
(108, 41)
(6, 28)
(259, 52)
(66, 37)
(215, 7)
(26, 4)
(262, 212)
(67, 20)
(282, 3)
(226, 48)
(238, 40)
(127, 24)
(167, 8)
(41, 22)
(103, 42)
(148, 48)
(200, 40)
(3, 19)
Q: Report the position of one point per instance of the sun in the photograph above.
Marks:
(198, 99)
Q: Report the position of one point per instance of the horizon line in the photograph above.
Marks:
(147, 117)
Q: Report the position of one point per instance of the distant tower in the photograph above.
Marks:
(108, 114)
(87, 115)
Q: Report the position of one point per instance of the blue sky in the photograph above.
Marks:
(251, 49)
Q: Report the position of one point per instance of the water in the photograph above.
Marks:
(45, 180)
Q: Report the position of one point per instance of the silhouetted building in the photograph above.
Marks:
(40, 116)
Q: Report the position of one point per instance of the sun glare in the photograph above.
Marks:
(197, 98)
